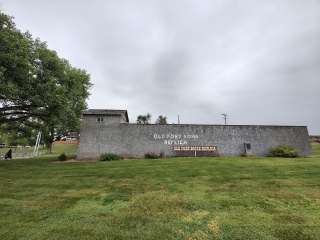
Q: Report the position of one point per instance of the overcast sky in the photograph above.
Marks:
(258, 61)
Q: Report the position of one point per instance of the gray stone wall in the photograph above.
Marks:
(91, 120)
(135, 140)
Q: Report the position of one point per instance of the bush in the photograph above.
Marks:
(284, 151)
(152, 156)
(245, 155)
(62, 157)
(110, 157)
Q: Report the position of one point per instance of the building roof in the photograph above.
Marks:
(106, 112)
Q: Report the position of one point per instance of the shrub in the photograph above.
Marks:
(110, 157)
(151, 156)
(284, 151)
(245, 155)
(62, 157)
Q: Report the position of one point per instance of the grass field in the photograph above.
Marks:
(177, 198)
(57, 149)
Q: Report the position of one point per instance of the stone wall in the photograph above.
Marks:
(135, 140)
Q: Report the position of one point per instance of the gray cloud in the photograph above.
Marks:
(257, 61)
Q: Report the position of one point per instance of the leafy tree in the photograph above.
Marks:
(14, 134)
(15, 71)
(38, 90)
(67, 91)
(144, 119)
(161, 120)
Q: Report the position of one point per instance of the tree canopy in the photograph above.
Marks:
(161, 120)
(38, 89)
(144, 119)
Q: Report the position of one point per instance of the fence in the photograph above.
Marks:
(20, 154)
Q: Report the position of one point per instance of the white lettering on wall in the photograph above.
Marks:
(175, 142)
(175, 139)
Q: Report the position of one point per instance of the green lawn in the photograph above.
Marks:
(70, 149)
(57, 149)
(176, 198)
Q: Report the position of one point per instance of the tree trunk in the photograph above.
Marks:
(50, 142)
(50, 147)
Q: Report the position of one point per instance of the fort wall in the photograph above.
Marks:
(134, 140)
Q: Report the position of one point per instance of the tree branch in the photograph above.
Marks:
(16, 107)
(9, 120)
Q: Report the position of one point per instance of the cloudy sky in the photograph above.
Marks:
(258, 61)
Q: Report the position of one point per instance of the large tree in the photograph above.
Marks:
(37, 88)
(16, 70)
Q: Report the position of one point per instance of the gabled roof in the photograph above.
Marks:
(106, 112)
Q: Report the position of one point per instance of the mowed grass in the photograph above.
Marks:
(176, 198)
(70, 149)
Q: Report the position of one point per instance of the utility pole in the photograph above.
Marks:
(178, 119)
(225, 116)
